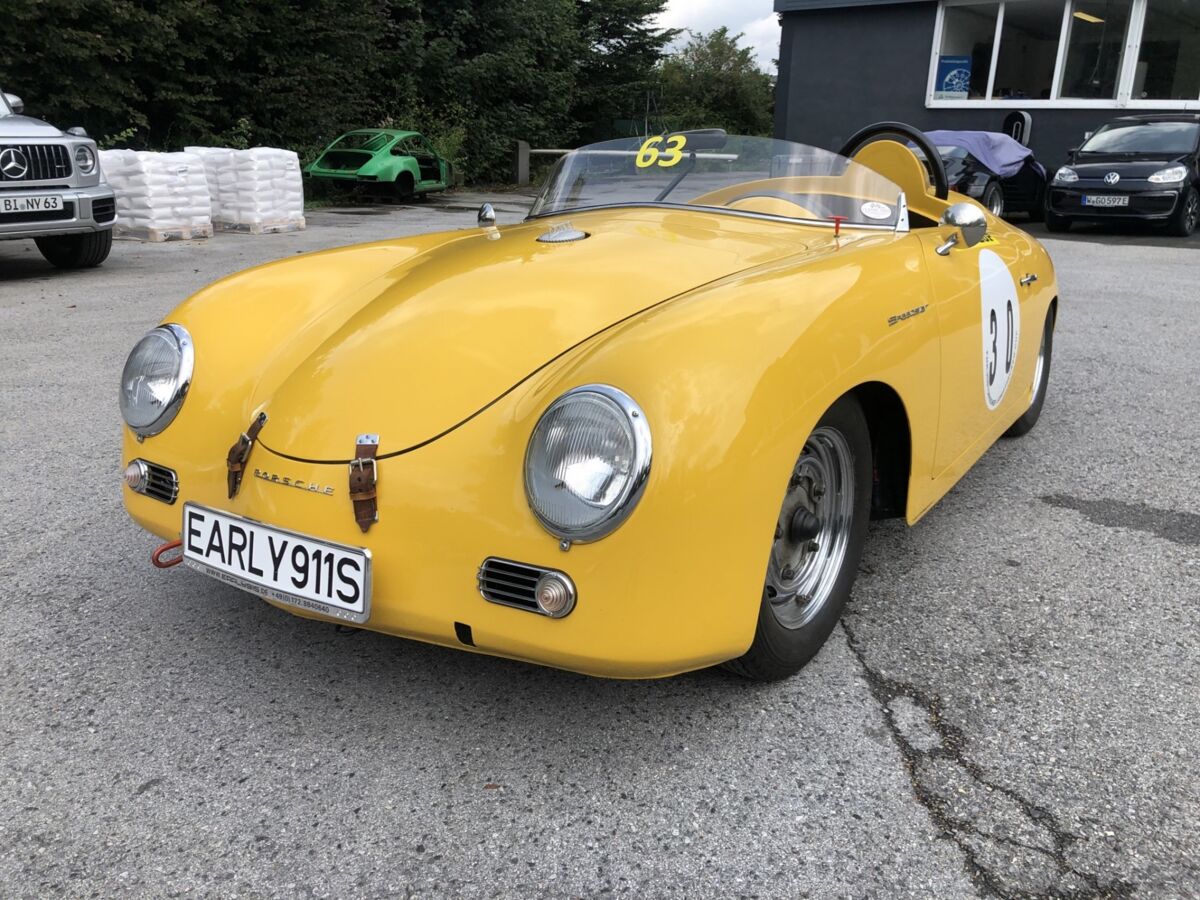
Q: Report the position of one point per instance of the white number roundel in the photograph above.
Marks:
(1001, 326)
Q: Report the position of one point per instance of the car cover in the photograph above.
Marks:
(998, 152)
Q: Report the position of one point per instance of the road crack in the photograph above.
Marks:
(1013, 847)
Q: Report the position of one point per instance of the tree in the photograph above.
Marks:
(621, 47)
(712, 82)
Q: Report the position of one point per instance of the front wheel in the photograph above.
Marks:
(1187, 214)
(76, 251)
(817, 546)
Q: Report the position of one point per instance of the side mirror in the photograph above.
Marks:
(78, 131)
(969, 224)
(17, 104)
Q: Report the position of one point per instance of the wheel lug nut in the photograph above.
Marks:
(787, 574)
(814, 546)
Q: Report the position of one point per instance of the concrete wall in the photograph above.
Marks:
(843, 68)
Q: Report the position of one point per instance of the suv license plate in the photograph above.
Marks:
(31, 204)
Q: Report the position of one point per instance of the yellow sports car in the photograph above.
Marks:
(639, 433)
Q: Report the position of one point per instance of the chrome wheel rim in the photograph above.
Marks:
(996, 206)
(813, 530)
(1193, 212)
(1039, 370)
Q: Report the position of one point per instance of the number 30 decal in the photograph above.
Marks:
(1001, 326)
(650, 155)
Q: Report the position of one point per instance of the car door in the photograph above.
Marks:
(980, 313)
(427, 160)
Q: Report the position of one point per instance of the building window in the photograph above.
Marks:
(1066, 52)
(965, 61)
(1168, 66)
(1095, 48)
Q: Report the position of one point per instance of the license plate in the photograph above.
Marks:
(295, 569)
(30, 204)
(1105, 200)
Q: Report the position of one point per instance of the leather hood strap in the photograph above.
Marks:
(364, 473)
(240, 452)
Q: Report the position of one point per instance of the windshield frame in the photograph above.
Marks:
(5, 109)
(1144, 124)
(899, 203)
(387, 137)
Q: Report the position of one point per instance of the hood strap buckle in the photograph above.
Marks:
(235, 462)
(364, 473)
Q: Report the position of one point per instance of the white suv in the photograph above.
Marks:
(52, 189)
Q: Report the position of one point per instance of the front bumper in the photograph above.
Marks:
(84, 209)
(1147, 205)
(645, 607)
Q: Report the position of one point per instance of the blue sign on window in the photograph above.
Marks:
(953, 78)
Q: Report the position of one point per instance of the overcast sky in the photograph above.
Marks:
(754, 17)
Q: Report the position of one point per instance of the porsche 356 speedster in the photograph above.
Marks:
(641, 432)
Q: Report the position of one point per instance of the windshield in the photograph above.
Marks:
(363, 140)
(745, 175)
(1172, 138)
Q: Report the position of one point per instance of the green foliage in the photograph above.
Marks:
(473, 75)
(715, 83)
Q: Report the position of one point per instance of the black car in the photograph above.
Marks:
(1135, 168)
(994, 169)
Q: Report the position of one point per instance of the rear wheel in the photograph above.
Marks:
(1187, 214)
(403, 186)
(993, 199)
(76, 251)
(818, 543)
(1041, 380)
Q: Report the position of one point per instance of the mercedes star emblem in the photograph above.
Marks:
(13, 163)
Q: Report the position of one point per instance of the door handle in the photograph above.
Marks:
(1028, 280)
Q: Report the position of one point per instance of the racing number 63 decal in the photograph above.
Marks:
(649, 153)
(1001, 326)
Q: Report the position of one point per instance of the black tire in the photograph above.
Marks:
(1029, 418)
(76, 251)
(403, 186)
(1186, 217)
(780, 650)
(1056, 223)
(993, 199)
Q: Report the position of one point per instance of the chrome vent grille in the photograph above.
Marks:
(161, 483)
(510, 583)
(34, 162)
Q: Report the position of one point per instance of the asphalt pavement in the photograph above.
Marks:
(1011, 708)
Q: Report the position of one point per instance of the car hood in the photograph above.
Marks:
(446, 333)
(26, 126)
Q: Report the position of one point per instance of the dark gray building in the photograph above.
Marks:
(967, 64)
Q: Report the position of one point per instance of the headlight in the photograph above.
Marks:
(1169, 176)
(156, 379)
(85, 159)
(1066, 175)
(587, 462)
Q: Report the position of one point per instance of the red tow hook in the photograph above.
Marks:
(157, 556)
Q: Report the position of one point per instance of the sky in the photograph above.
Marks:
(754, 17)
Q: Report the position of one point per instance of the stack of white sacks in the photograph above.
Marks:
(256, 191)
(160, 196)
(184, 196)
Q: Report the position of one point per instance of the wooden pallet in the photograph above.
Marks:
(158, 235)
(261, 227)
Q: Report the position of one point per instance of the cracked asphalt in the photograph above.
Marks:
(1010, 710)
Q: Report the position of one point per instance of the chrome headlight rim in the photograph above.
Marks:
(88, 167)
(183, 380)
(643, 453)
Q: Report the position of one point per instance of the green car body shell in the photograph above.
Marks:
(403, 160)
